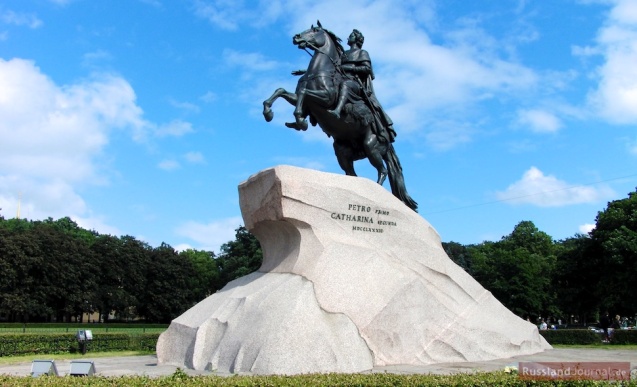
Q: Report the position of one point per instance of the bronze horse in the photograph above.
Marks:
(356, 131)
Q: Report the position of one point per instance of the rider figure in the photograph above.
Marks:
(357, 69)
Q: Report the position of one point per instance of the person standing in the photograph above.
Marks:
(604, 323)
(617, 323)
(543, 325)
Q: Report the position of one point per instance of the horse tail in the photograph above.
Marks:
(396, 180)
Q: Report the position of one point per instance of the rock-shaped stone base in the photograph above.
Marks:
(351, 279)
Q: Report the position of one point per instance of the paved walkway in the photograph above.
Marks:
(147, 365)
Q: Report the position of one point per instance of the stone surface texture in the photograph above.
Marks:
(351, 279)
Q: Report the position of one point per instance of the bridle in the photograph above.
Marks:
(336, 63)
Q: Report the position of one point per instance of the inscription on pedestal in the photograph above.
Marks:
(376, 220)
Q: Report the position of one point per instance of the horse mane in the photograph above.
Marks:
(336, 40)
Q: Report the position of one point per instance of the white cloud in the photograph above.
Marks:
(52, 138)
(223, 14)
(195, 158)
(20, 19)
(632, 147)
(168, 165)
(175, 128)
(586, 228)
(209, 97)
(38, 198)
(249, 60)
(229, 14)
(56, 132)
(585, 51)
(97, 223)
(625, 11)
(541, 190)
(539, 121)
(93, 59)
(186, 106)
(447, 134)
(183, 247)
(615, 98)
(209, 236)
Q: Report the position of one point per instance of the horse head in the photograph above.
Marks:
(316, 37)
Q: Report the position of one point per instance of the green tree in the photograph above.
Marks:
(16, 225)
(459, 254)
(115, 291)
(518, 270)
(65, 272)
(18, 255)
(483, 263)
(239, 257)
(575, 279)
(167, 293)
(44, 278)
(613, 252)
(54, 269)
(205, 280)
(137, 256)
(67, 226)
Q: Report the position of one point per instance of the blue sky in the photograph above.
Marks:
(141, 117)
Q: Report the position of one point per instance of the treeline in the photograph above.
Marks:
(53, 270)
(573, 280)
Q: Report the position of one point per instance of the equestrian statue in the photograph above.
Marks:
(336, 92)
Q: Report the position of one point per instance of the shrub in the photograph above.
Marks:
(371, 379)
(25, 344)
(621, 336)
(52, 343)
(143, 342)
(572, 336)
(588, 337)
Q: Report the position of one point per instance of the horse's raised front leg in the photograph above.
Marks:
(280, 92)
(345, 157)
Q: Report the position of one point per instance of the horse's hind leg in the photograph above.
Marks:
(374, 151)
(280, 92)
(345, 157)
